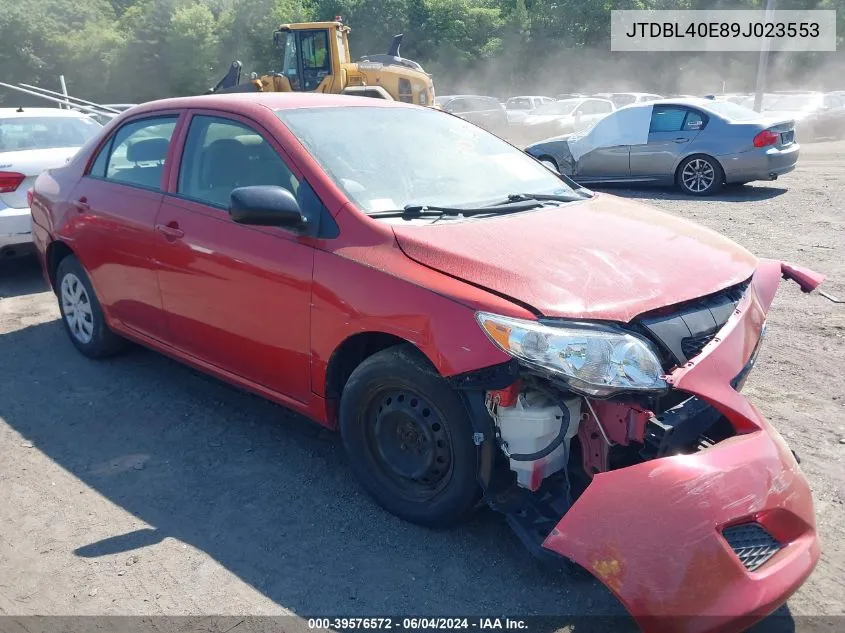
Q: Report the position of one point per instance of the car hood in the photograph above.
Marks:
(602, 258)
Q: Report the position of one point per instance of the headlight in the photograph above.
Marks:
(593, 361)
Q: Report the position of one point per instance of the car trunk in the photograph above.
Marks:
(30, 163)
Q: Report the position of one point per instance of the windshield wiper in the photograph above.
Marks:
(425, 210)
(544, 197)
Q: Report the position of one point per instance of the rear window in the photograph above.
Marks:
(22, 133)
(519, 103)
(733, 111)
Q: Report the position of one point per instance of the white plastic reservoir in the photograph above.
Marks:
(530, 426)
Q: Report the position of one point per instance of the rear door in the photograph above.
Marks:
(237, 297)
(116, 203)
(672, 130)
(609, 160)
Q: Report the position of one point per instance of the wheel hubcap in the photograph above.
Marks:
(76, 306)
(411, 442)
(698, 175)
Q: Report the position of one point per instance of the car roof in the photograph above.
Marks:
(272, 100)
(39, 112)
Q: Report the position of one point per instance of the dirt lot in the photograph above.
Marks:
(136, 486)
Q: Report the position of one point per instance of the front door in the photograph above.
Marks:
(115, 204)
(236, 296)
(672, 130)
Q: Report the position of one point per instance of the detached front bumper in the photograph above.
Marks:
(653, 532)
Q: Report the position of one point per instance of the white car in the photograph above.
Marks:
(517, 108)
(621, 99)
(32, 140)
(562, 117)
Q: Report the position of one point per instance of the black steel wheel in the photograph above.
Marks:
(409, 439)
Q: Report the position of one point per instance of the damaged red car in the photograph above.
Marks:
(479, 328)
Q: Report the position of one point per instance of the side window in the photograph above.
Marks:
(667, 119)
(694, 121)
(138, 151)
(456, 106)
(486, 104)
(98, 169)
(315, 53)
(602, 107)
(221, 154)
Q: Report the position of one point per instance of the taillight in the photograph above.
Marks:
(29, 193)
(10, 181)
(764, 138)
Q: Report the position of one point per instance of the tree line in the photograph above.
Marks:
(138, 50)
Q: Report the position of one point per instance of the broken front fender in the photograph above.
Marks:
(654, 532)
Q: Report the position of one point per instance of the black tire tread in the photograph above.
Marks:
(407, 365)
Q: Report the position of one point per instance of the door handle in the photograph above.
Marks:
(681, 139)
(82, 205)
(171, 231)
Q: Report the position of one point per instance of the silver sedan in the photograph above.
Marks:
(698, 144)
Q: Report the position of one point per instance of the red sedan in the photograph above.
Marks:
(477, 326)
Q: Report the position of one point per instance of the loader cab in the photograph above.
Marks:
(311, 54)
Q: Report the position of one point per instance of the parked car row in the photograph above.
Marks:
(475, 325)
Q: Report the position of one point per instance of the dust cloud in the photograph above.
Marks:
(589, 71)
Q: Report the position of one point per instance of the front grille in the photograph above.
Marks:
(752, 544)
(692, 345)
(682, 331)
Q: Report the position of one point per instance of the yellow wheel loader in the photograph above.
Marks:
(315, 58)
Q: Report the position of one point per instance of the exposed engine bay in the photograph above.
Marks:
(553, 438)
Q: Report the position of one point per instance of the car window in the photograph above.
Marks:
(221, 154)
(457, 105)
(667, 119)
(695, 121)
(519, 103)
(136, 153)
(386, 158)
(622, 100)
(602, 107)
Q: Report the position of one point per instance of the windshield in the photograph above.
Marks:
(622, 100)
(558, 107)
(518, 103)
(385, 158)
(20, 133)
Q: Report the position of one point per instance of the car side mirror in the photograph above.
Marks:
(266, 205)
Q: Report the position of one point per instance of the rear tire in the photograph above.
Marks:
(82, 315)
(700, 175)
(408, 438)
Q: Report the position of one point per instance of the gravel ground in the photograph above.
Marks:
(137, 487)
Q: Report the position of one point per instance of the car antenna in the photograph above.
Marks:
(20, 109)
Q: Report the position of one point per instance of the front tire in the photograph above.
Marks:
(700, 175)
(408, 438)
(82, 314)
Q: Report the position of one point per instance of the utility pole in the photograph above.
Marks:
(64, 89)
(763, 64)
